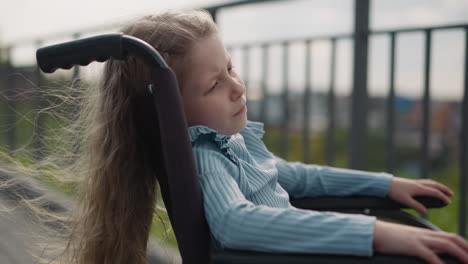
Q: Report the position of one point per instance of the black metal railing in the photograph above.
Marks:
(390, 109)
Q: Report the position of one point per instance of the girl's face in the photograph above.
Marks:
(212, 92)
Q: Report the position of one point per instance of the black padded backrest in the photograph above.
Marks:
(178, 179)
(162, 124)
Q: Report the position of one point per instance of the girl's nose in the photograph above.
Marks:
(238, 89)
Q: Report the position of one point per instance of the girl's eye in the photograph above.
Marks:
(214, 86)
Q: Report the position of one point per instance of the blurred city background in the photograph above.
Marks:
(379, 87)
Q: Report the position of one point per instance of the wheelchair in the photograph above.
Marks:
(164, 128)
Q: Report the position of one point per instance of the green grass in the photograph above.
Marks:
(446, 218)
(161, 229)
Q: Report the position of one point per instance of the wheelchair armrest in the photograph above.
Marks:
(229, 256)
(332, 203)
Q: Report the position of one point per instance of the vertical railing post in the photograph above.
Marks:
(424, 168)
(3, 87)
(358, 140)
(463, 189)
(76, 68)
(390, 131)
(264, 103)
(245, 75)
(39, 126)
(284, 138)
(76, 85)
(306, 105)
(213, 12)
(331, 107)
(11, 105)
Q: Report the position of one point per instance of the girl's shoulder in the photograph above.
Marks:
(253, 128)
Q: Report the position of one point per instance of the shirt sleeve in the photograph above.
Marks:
(240, 224)
(301, 180)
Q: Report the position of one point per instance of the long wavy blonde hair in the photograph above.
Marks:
(116, 183)
(119, 187)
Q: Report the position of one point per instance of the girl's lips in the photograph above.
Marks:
(242, 110)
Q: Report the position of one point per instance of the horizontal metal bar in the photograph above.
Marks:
(292, 40)
(61, 34)
(238, 3)
(417, 29)
(350, 35)
(29, 40)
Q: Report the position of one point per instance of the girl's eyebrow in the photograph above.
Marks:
(214, 74)
(218, 71)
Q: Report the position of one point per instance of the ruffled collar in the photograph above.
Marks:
(203, 132)
(200, 131)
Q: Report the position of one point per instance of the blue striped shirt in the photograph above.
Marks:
(246, 192)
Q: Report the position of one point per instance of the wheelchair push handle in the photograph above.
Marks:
(98, 48)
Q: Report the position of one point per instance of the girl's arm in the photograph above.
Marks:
(238, 223)
(301, 180)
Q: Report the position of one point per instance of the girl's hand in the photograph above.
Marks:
(403, 190)
(396, 239)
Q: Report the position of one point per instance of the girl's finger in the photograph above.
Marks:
(462, 243)
(416, 205)
(435, 193)
(447, 246)
(437, 185)
(429, 256)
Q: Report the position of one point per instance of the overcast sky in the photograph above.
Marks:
(26, 19)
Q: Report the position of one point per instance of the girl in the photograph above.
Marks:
(246, 188)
